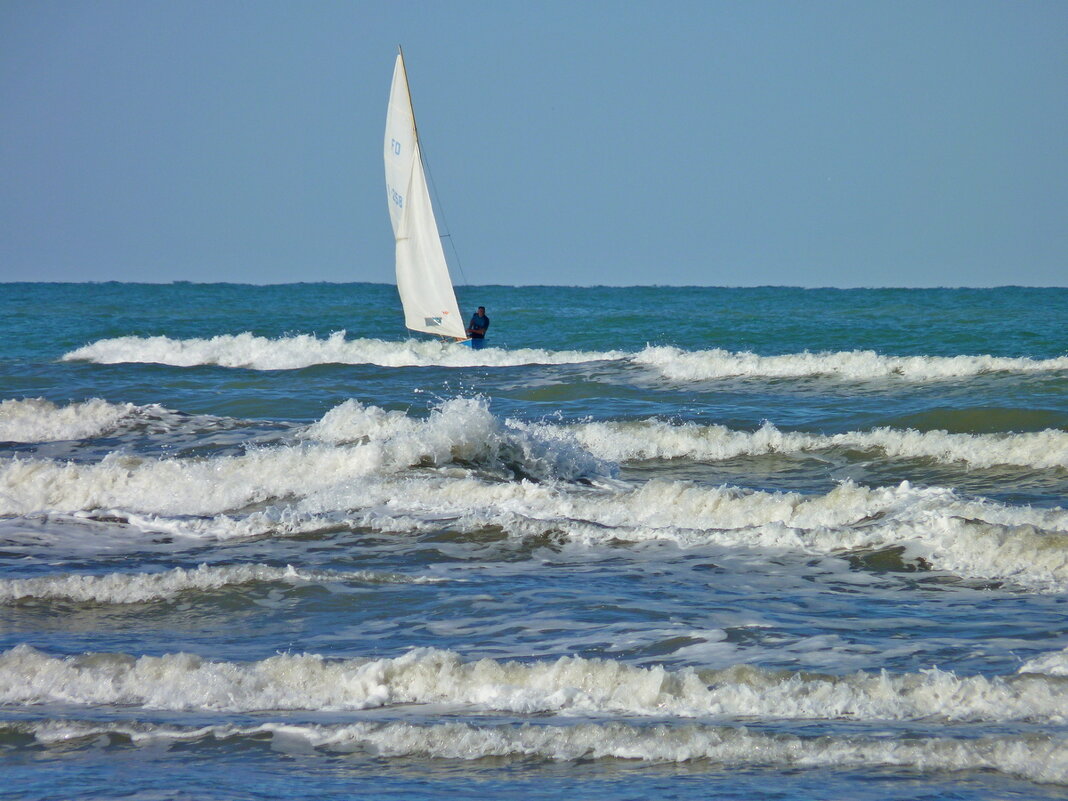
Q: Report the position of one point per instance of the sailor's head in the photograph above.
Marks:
(481, 309)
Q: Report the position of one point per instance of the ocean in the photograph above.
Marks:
(651, 542)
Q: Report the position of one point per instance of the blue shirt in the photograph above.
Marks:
(479, 321)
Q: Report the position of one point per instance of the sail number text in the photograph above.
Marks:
(396, 197)
(395, 147)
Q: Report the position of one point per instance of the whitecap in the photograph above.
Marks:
(253, 352)
(131, 588)
(565, 686)
(659, 439)
(39, 420)
(1037, 758)
(680, 365)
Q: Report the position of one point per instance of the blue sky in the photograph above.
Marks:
(710, 143)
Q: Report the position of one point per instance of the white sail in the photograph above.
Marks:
(422, 274)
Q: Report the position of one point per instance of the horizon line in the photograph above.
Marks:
(184, 282)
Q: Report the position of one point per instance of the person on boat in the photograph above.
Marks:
(477, 327)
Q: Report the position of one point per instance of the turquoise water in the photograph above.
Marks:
(651, 542)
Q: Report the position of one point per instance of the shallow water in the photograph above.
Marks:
(254, 542)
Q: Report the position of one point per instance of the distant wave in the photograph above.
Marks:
(132, 588)
(679, 365)
(565, 686)
(1037, 758)
(293, 352)
(658, 439)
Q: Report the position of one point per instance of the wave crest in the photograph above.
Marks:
(253, 352)
(566, 686)
(658, 439)
(863, 365)
(1036, 758)
(369, 442)
(39, 420)
(132, 588)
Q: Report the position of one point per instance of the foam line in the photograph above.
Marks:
(971, 538)
(858, 365)
(294, 352)
(131, 588)
(248, 351)
(1037, 758)
(566, 686)
(658, 439)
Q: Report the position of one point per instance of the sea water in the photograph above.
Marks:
(256, 542)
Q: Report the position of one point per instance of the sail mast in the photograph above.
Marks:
(411, 105)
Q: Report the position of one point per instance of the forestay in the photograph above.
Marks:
(422, 274)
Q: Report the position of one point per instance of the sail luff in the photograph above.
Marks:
(422, 273)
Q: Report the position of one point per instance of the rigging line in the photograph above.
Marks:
(441, 210)
(426, 168)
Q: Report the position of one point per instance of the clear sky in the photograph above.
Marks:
(898, 143)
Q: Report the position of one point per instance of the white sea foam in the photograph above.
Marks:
(332, 486)
(973, 538)
(304, 350)
(460, 431)
(679, 365)
(566, 686)
(1038, 758)
(659, 439)
(1052, 664)
(352, 470)
(39, 420)
(131, 588)
(293, 352)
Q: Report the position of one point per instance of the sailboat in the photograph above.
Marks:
(423, 280)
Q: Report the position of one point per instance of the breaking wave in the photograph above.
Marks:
(249, 351)
(933, 527)
(304, 350)
(465, 469)
(39, 420)
(132, 588)
(679, 365)
(1053, 664)
(658, 439)
(461, 431)
(1038, 758)
(566, 686)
